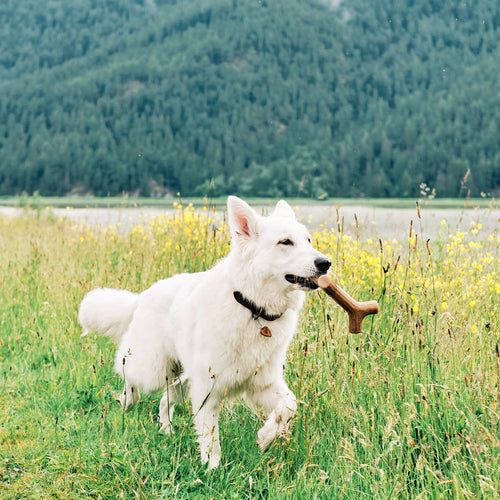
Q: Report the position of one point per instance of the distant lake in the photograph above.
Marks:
(373, 221)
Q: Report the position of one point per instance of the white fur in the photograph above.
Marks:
(189, 336)
(107, 311)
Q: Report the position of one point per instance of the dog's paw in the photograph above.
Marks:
(213, 461)
(126, 403)
(166, 428)
(267, 434)
(120, 398)
(275, 426)
(210, 454)
(263, 441)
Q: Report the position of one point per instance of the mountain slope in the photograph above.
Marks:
(266, 98)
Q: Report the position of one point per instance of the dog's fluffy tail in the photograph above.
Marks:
(107, 311)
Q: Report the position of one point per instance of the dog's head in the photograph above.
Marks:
(276, 247)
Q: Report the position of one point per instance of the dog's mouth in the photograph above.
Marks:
(302, 282)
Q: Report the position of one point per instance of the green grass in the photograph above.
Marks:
(40, 202)
(410, 409)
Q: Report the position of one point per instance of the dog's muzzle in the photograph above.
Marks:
(322, 265)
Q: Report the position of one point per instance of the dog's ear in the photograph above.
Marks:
(283, 209)
(242, 218)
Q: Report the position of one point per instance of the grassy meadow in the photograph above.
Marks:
(409, 409)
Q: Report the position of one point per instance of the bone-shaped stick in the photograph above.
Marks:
(355, 310)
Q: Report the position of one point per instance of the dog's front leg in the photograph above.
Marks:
(206, 421)
(279, 405)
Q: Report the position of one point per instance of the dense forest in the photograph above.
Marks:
(266, 98)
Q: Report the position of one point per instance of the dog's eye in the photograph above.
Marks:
(286, 241)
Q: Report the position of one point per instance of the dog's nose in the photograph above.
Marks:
(322, 264)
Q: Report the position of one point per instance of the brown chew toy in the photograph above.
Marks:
(355, 310)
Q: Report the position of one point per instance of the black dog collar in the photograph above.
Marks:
(257, 312)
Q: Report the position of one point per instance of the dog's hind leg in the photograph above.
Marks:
(175, 393)
(129, 396)
(142, 358)
(279, 405)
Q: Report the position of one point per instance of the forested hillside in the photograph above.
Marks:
(269, 98)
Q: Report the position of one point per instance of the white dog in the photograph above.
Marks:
(217, 334)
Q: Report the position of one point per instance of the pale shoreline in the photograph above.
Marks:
(373, 222)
